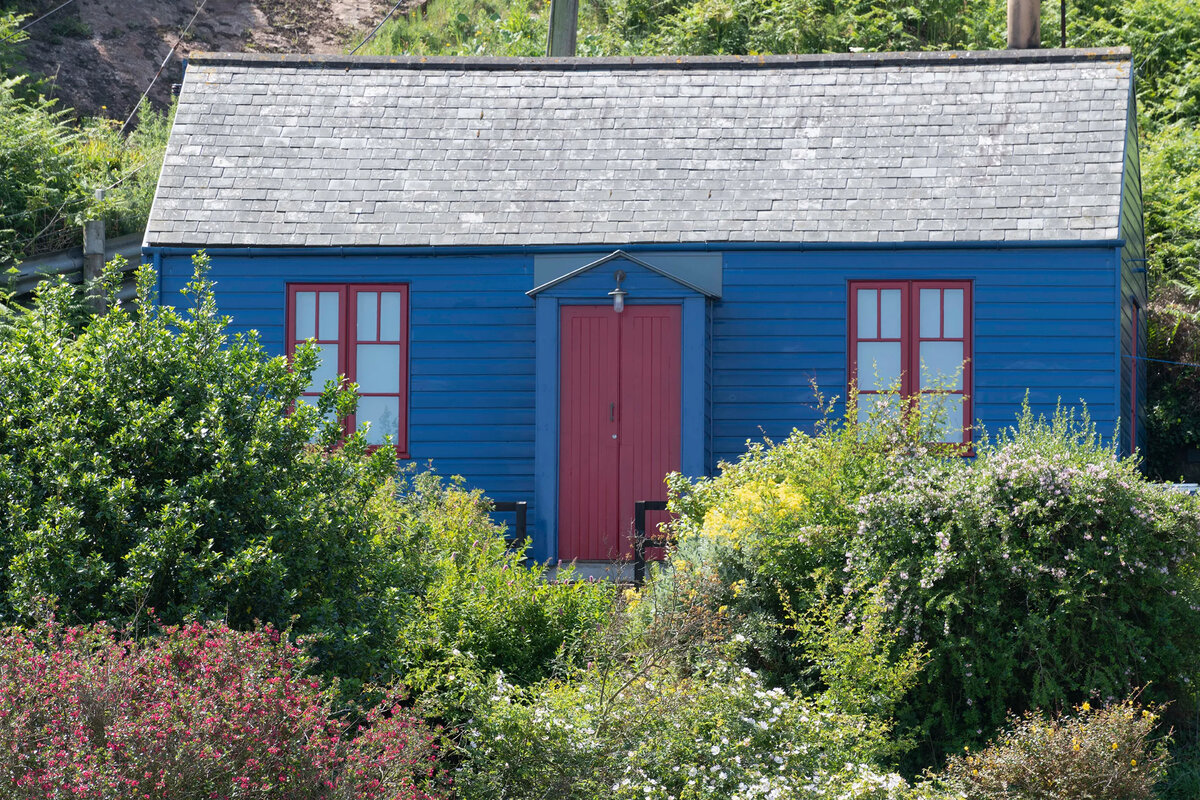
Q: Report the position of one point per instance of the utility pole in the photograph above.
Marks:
(564, 24)
(93, 261)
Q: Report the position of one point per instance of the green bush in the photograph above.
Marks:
(1041, 571)
(152, 461)
(148, 462)
(1173, 410)
(719, 732)
(479, 608)
(1109, 753)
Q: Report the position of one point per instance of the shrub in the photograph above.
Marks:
(1105, 753)
(1173, 410)
(635, 733)
(1041, 571)
(1045, 570)
(148, 461)
(201, 712)
(478, 607)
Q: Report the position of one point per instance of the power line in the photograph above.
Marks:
(163, 65)
(377, 27)
(24, 28)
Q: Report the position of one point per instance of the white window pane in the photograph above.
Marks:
(389, 317)
(329, 316)
(953, 303)
(378, 368)
(945, 411)
(931, 313)
(889, 314)
(878, 365)
(867, 314)
(384, 415)
(941, 365)
(306, 315)
(366, 316)
(327, 368)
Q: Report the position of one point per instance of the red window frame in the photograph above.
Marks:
(910, 337)
(348, 341)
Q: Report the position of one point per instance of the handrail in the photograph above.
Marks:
(520, 508)
(640, 542)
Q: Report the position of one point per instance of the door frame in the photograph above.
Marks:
(692, 399)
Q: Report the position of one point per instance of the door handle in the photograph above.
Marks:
(612, 410)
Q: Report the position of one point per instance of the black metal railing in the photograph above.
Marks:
(517, 537)
(640, 542)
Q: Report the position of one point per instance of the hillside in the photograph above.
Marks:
(99, 55)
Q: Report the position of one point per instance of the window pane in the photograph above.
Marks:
(327, 369)
(867, 314)
(306, 315)
(329, 316)
(879, 406)
(384, 415)
(889, 314)
(366, 316)
(378, 368)
(941, 365)
(946, 412)
(389, 317)
(878, 365)
(953, 299)
(931, 313)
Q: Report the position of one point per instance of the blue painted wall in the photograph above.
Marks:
(1045, 320)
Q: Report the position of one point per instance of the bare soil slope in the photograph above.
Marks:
(100, 55)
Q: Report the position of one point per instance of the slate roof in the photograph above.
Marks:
(982, 146)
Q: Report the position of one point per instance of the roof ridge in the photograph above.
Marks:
(965, 58)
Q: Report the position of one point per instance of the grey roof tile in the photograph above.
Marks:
(873, 147)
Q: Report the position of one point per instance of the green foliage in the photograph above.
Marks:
(148, 462)
(51, 165)
(151, 461)
(479, 608)
(719, 732)
(1043, 570)
(1171, 185)
(1173, 413)
(1109, 753)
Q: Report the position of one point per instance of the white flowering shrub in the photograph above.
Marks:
(720, 733)
(1044, 571)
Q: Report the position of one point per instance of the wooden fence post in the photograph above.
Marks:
(93, 261)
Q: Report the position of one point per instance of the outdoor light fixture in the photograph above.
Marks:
(618, 294)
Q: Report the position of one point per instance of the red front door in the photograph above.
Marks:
(618, 426)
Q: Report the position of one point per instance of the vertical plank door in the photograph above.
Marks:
(619, 428)
(650, 419)
(588, 446)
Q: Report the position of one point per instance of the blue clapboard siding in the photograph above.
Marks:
(1133, 286)
(1044, 328)
(471, 361)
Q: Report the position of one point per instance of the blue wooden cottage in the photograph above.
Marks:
(563, 278)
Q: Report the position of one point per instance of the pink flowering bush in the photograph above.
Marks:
(201, 712)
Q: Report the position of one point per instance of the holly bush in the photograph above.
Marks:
(151, 460)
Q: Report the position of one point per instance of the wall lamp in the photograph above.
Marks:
(618, 294)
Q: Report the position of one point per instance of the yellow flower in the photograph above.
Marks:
(1086, 706)
(974, 772)
(1114, 745)
(1133, 763)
